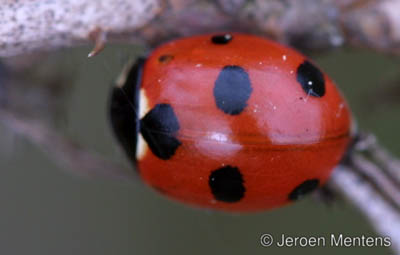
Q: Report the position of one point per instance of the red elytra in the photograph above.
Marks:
(232, 121)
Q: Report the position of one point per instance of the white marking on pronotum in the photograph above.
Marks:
(141, 147)
(143, 104)
(284, 57)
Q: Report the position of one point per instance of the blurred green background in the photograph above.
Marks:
(45, 210)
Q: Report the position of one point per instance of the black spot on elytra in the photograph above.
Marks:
(226, 184)
(123, 107)
(303, 189)
(221, 39)
(158, 128)
(311, 79)
(232, 90)
(165, 58)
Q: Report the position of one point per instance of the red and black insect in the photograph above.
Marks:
(231, 121)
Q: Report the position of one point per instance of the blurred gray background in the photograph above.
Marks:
(45, 210)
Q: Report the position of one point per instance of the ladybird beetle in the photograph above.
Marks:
(231, 121)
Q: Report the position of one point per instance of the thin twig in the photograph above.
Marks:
(389, 164)
(68, 155)
(372, 186)
(383, 217)
(384, 184)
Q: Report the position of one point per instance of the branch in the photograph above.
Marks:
(34, 25)
(369, 179)
(384, 218)
(67, 154)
